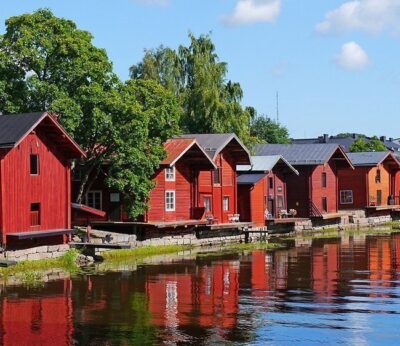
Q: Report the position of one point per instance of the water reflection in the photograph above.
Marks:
(333, 290)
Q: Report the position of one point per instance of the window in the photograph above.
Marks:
(115, 197)
(378, 176)
(207, 204)
(323, 179)
(226, 203)
(279, 189)
(324, 204)
(34, 164)
(279, 201)
(217, 176)
(35, 214)
(170, 200)
(170, 173)
(94, 199)
(346, 197)
(271, 183)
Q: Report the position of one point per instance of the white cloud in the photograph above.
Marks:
(154, 2)
(253, 11)
(352, 57)
(372, 16)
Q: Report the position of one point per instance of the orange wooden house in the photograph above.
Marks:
(262, 191)
(218, 191)
(372, 183)
(35, 183)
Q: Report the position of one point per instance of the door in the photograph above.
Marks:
(115, 207)
(271, 207)
(379, 197)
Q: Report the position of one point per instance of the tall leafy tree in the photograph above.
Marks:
(47, 63)
(209, 102)
(267, 130)
(371, 144)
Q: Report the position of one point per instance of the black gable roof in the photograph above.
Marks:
(14, 127)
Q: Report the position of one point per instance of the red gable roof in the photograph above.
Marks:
(177, 147)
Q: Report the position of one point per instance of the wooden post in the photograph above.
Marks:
(88, 228)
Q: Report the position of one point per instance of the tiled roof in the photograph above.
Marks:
(249, 178)
(214, 143)
(265, 164)
(368, 158)
(15, 127)
(175, 148)
(299, 154)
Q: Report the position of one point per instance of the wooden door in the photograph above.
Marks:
(114, 213)
(378, 197)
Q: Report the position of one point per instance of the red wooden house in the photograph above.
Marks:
(35, 197)
(314, 193)
(262, 188)
(218, 191)
(371, 184)
(174, 198)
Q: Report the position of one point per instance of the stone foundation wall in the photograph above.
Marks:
(36, 253)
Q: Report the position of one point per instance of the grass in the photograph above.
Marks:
(145, 251)
(30, 271)
(253, 246)
(329, 233)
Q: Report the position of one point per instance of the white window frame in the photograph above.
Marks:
(94, 192)
(208, 198)
(225, 203)
(170, 173)
(341, 196)
(167, 203)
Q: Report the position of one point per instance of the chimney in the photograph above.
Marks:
(326, 138)
(383, 138)
(391, 139)
(354, 135)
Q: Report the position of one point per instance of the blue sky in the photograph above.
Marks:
(336, 63)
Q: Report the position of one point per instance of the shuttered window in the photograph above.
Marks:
(35, 214)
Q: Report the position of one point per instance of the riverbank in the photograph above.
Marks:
(36, 271)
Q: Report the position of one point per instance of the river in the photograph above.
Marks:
(321, 291)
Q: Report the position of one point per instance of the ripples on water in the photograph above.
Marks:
(336, 291)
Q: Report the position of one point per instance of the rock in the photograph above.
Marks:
(83, 260)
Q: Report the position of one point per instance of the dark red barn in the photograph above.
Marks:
(174, 198)
(35, 197)
(262, 191)
(218, 189)
(314, 193)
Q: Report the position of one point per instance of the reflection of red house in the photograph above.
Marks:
(175, 195)
(178, 300)
(259, 274)
(218, 189)
(262, 187)
(35, 154)
(36, 321)
(325, 269)
(314, 193)
(380, 264)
